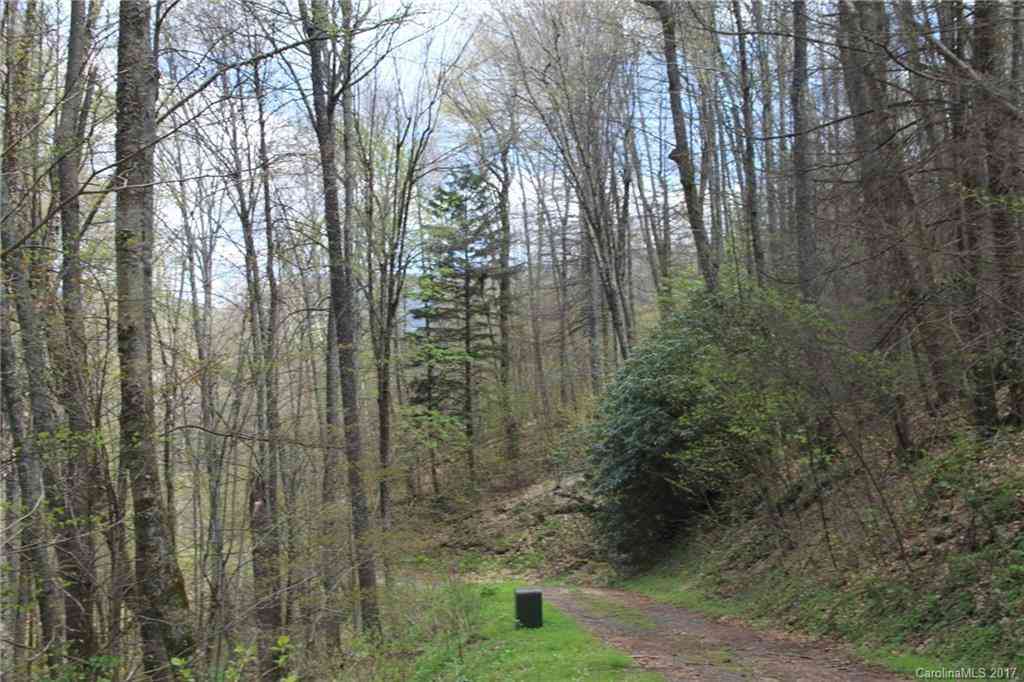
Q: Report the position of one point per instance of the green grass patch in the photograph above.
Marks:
(670, 586)
(901, 662)
(498, 651)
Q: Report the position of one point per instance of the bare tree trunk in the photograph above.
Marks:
(546, 227)
(263, 500)
(656, 243)
(162, 604)
(591, 314)
(804, 228)
(750, 175)
(347, 318)
(116, 540)
(888, 199)
(468, 413)
(332, 564)
(681, 153)
(199, 254)
(1001, 140)
(80, 477)
(534, 266)
(509, 421)
(202, 321)
(10, 553)
(767, 132)
(271, 320)
(432, 408)
(967, 156)
(30, 479)
(623, 250)
(40, 490)
(712, 175)
(339, 235)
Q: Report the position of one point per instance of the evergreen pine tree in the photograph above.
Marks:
(456, 295)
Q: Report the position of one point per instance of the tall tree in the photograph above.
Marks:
(81, 480)
(750, 204)
(34, 439)
(888, 197)
(488, 102)
(681, 154)
(803, 220)
(264, 503)
(457, 298)
(394, 140)
(1001, 154)
(572, 83)
(162, 606)
(332, 85)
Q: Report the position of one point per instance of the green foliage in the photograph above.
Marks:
(96, 669)
(654, 412)
(454, 293)
(244, 657)
(282, 651)
(992, 498)
(447, 630)
(182, 669)
(726, 394)
(238, 668)
(424, 434)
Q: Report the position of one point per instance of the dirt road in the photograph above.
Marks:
(684, 646)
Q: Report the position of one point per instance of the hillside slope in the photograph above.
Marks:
(948, 587)
(947, 592)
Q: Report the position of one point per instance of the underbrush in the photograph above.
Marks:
(537, 532)
(451, 631)
(499, 651)
(732, 403)
(421, 618)
(955, 600)
(815, 485)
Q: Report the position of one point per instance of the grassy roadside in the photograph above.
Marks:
(496, 650)
(879, 635)
(955, 601)
(949, 596)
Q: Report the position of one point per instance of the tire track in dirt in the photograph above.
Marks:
(684, 646)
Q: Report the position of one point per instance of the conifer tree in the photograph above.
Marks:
(457, 297)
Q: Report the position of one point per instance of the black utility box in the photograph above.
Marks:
(529, 608)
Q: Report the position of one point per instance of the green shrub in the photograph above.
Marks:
(654, 461)
(722, 404)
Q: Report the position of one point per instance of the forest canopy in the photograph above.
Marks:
(279, 276)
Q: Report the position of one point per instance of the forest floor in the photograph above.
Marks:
(770, 595)
(681, 644)
(537, 536)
